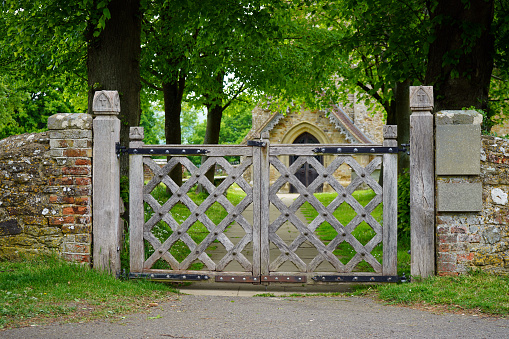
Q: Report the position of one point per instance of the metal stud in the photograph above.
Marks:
(339, 149)
(372, 150)
(355, 150)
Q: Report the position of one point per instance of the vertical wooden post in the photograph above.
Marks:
(136, 216)
(106, 182)
(265, 203)
(422, 182)
(390, 202)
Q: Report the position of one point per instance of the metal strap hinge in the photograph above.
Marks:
(256, 143)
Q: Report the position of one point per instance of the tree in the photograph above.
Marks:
(97, 42)
(460, 58)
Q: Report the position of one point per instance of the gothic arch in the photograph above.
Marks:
(302, 127)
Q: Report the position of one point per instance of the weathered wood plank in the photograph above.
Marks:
(136, 212)
(390, 204)
(422, 183)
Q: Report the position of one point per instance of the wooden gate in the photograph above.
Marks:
(244, 230)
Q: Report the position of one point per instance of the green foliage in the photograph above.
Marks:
(404, 208)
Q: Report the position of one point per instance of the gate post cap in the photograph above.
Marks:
(421, 98)
(106, 102)
(136, 133)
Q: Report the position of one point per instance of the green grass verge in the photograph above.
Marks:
(475, 292)
(48, 289)
(363, 232)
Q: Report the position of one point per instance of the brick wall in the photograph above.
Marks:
(46, 192)
(479, 240)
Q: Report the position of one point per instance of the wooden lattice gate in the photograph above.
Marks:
(244, 230)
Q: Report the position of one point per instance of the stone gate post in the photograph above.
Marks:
(107, 232)
(422, 182)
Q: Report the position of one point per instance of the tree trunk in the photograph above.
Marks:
(400, 115)
(172, 107)
(113, 64)
(460, 62)
(214, 116)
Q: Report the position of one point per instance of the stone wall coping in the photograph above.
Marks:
(61, 121)
(458, 117)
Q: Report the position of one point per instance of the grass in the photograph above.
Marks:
(363, 232)
(180, 213)
(48, 289)
(475, 292)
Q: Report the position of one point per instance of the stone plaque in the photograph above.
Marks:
(458, 150)
(9, 227)
(459, 197)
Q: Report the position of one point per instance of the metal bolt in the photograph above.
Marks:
(160, 251)
(363, 254)
(243, 278)
(363, 215)
(234, 177)
(197, 252)
(344, 234)
(184, 277)
(167, 152)
(287, 253)
(215, 233)
(220, 278)
(183, 151)
(179, 194)
(234, 253)
(355, 279)
(276, 278)
(363, 175)
(372, 150)
(390, 149)
(325, 175)
(355, 150)
(151, 151)
(179, 232)
(299, 278)
(197, 175)
(344, 195)
(286, 175)
(306, 195)
(306, 233)
(323, 149)
(339, 149)
(287, 214)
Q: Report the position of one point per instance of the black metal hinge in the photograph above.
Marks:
(256, 143)
(166, 151)
(162, 276)
(356, 150)
(356, 278)
(119, 149)
(263, 278)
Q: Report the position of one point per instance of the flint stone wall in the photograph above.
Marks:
(479, 240)
(46, 192)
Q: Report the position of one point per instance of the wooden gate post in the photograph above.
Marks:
(390, 202)
(136, 213)
(107, 232)
(422, 182)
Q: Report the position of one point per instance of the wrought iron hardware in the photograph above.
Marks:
(162, 276)
(356, 150)
(166, 151)
(237, 279)
(263, 278)
(119, 149)
(256, 143)
(405, 148)
(356, 278)
(284, 278)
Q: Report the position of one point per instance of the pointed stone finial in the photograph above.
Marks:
(136, 133)
(106, 102)
(421, 98)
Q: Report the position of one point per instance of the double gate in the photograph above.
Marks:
(244, 229)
